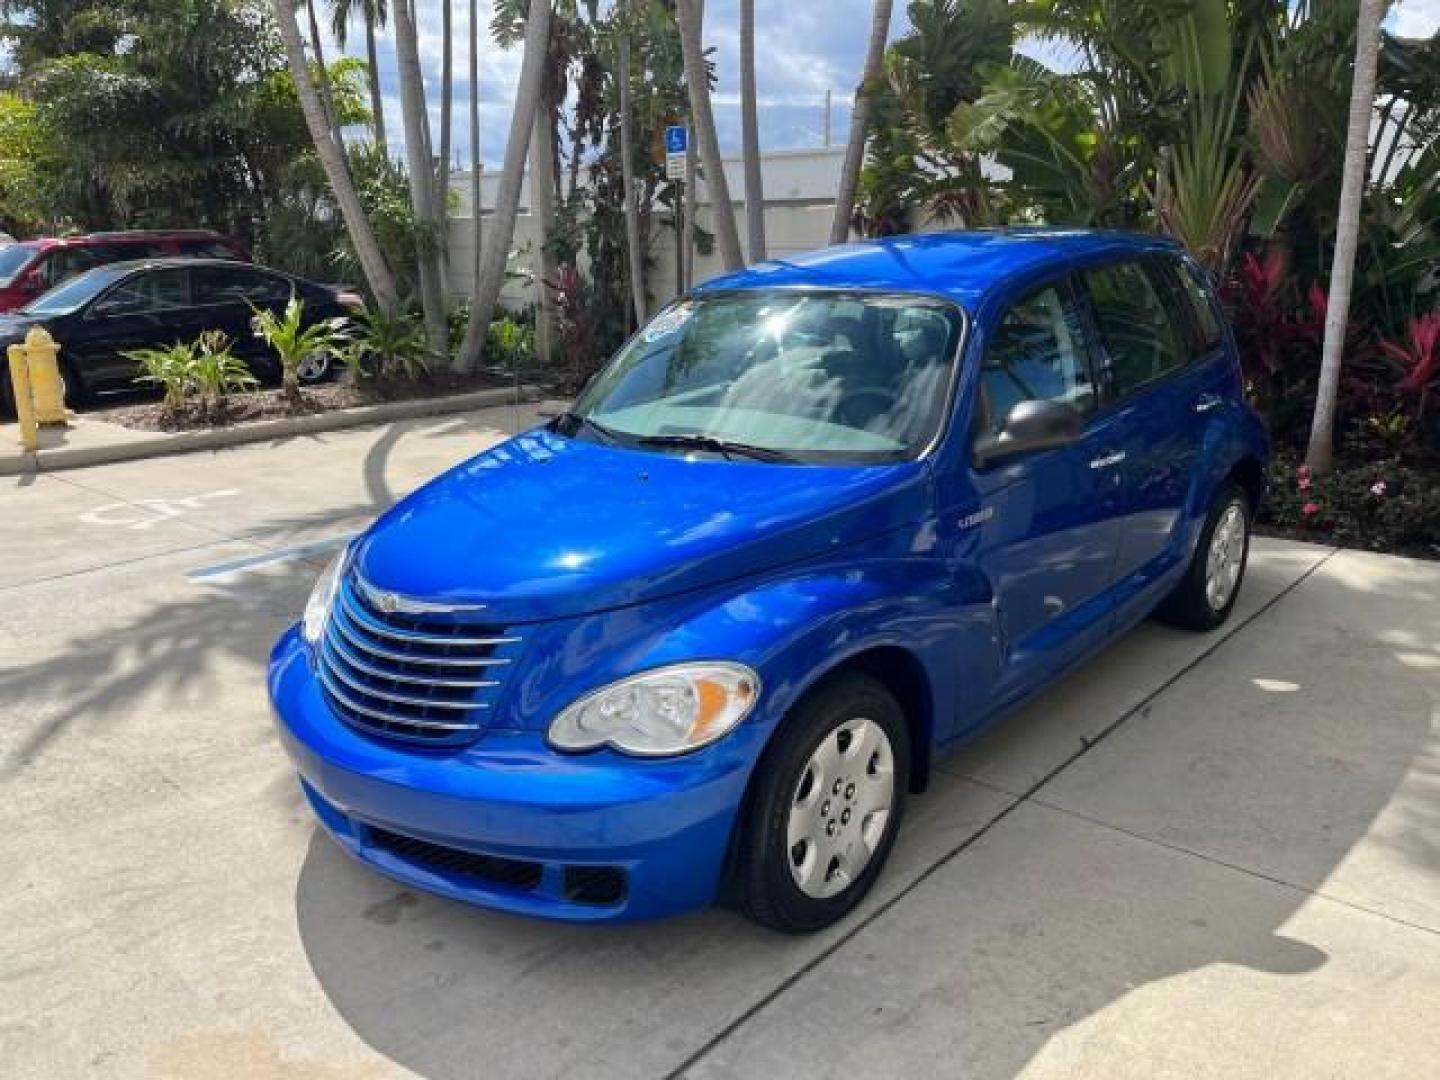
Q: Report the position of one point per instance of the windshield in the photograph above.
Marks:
(76, 293)
(808, 376)
(13, 259)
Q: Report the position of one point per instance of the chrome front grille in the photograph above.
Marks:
(420, 672)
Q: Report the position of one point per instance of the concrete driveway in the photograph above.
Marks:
(1200, 856)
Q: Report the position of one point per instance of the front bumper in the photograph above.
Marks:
(509, 823)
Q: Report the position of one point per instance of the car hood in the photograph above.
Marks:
(544, 527)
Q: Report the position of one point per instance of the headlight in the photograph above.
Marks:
(317, 608)
(666, 711)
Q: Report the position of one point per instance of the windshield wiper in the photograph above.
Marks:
(576, 421)
(714, 445)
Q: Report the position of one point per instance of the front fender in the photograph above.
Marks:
(793, 628)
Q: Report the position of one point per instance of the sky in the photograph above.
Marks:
(803, 48)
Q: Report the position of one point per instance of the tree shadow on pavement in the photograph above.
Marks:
(1048, 918)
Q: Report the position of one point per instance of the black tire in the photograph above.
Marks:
(7, 394)
(1189, 606)
(768, 891)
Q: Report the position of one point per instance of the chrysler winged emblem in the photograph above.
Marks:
(390, 603)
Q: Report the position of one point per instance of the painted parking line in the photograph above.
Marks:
(144, 514)
(226, 570)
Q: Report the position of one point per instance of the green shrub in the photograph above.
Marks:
(1381, 504)
(388, 344)
(216, 372)
(170, 367)
(293, 340)
(510, 344)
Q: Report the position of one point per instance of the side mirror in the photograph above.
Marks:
(1031, 426)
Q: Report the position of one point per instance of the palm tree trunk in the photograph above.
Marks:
(422, 176)
(634, 257)
(377, 100)
(697, 81)
(475, 190)
(860, 123)
(542, 205)
(326, 99)
(507, 204)
(362, 237)
(447, 90)
(1319, 455)
(750, 136)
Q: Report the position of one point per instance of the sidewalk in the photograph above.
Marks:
(88, 440)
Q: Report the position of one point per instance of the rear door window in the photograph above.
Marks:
(1037, 354)
(1141, 340)
(239, 285)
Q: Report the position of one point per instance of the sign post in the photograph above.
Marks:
(677, 147)
(677, 141)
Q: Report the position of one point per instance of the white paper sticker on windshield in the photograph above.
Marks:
(668, 322)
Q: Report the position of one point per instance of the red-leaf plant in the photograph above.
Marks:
(1418, 358)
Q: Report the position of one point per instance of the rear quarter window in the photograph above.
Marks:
(1199, 298)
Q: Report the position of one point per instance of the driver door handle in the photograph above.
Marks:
(1205, 402)
(1105, 461)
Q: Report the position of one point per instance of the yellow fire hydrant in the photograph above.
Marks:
(39, 390)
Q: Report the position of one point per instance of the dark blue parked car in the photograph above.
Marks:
(816, 523)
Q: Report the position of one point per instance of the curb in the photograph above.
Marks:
(186, 442)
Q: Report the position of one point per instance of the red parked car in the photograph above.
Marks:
(32, 267)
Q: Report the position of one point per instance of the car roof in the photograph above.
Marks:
(962, 266)
(124, 236)
(161, 261)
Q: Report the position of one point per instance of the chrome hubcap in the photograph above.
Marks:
(1226, 557)
(840, 808)
(313, 367)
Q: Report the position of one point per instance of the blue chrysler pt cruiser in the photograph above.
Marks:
(820, 520)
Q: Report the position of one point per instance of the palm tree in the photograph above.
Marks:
(375, 14)
(542, 205)
(1347, 233)
(750, 136)
(362, 237)
(475, 192)
(447, 91)
(860, 122)
(507, 204)
(634, 256)
(327, 99)
(697, 82)
(422, 177)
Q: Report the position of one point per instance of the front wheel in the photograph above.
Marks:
(827, 805)
(1207, 593)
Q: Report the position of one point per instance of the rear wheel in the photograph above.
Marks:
(1208, 591)
(827, 805)
(314, 368)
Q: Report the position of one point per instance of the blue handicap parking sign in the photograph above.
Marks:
(677, 139)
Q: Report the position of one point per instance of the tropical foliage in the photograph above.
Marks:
(294, 339)
(1222, 124)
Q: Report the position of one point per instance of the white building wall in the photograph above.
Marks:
(789, 230)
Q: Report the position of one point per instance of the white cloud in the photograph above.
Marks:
(1414, 18)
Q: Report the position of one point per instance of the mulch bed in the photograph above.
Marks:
(269, 404)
